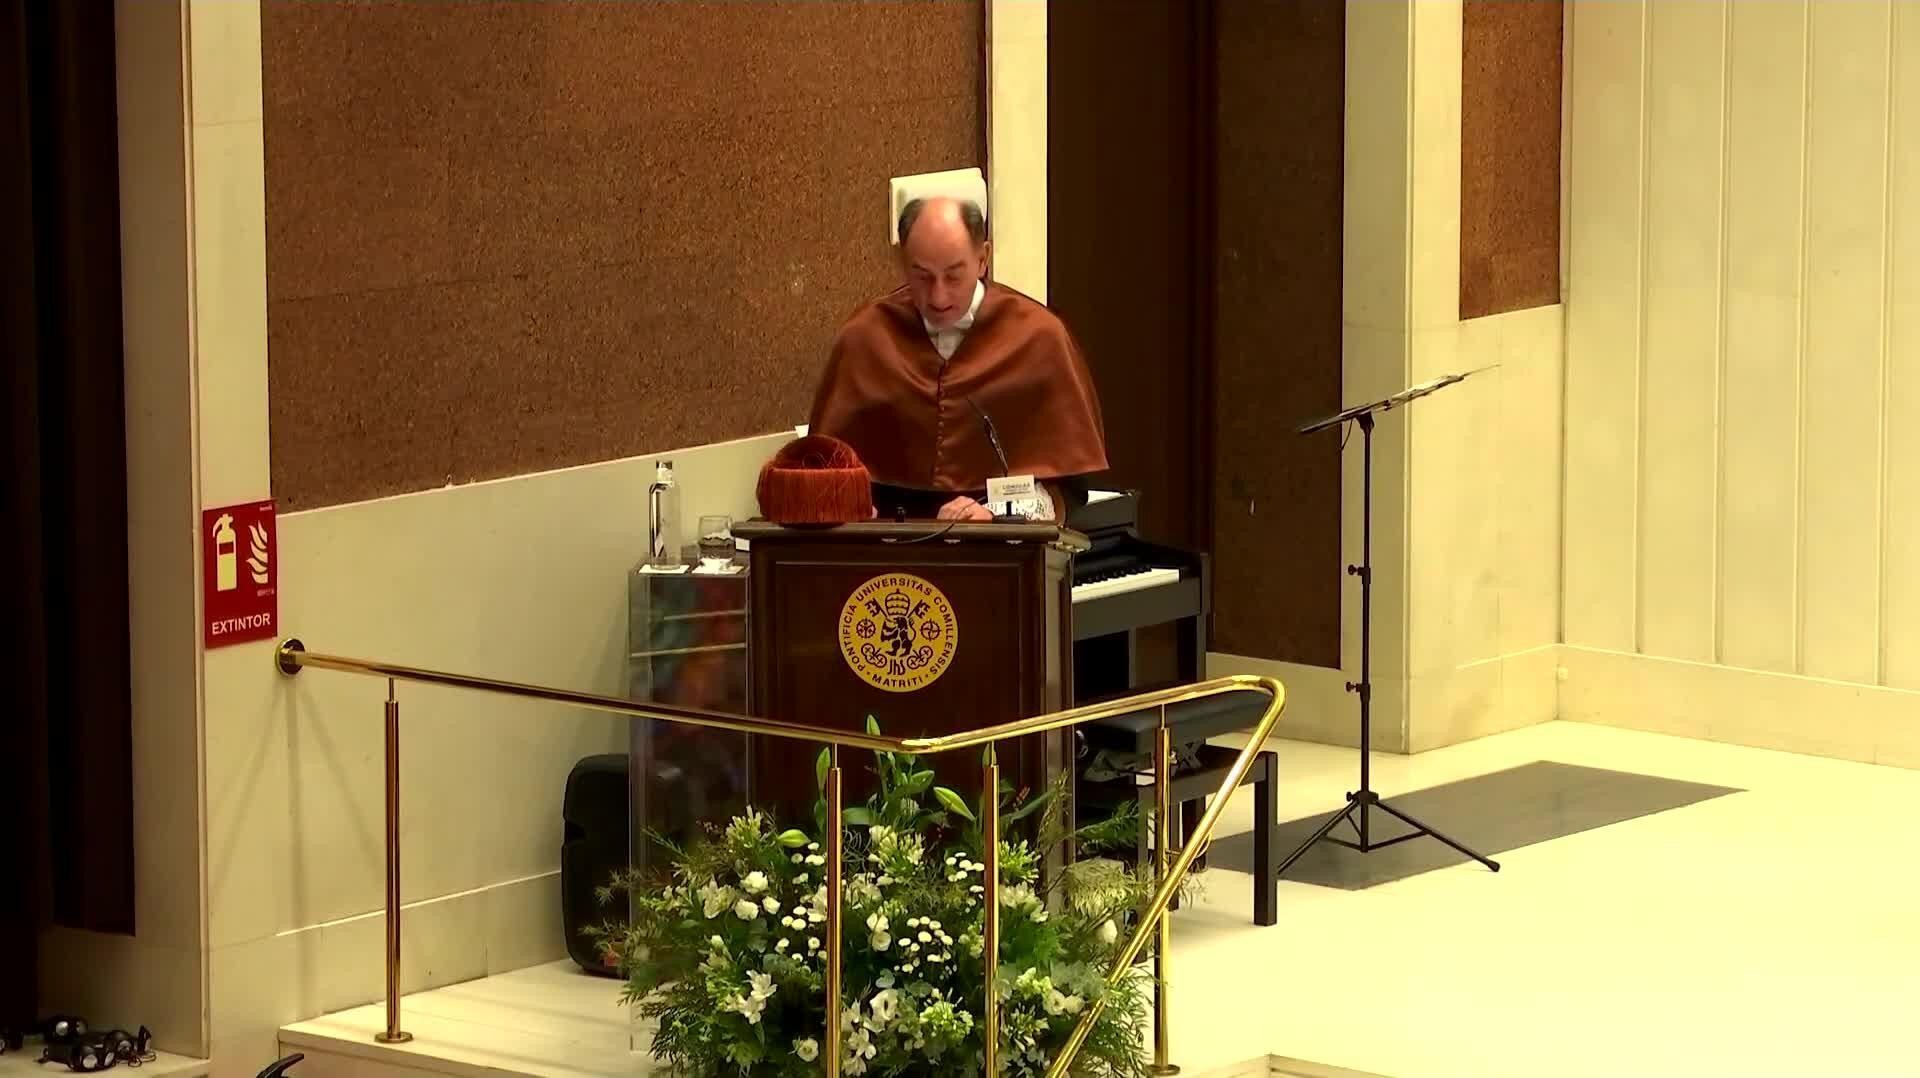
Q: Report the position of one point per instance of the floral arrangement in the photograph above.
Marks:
(726, 953)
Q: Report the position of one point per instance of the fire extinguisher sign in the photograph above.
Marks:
(239, 574)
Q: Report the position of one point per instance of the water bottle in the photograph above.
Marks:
(663, 518)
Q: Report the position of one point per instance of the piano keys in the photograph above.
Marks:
(1123, 580)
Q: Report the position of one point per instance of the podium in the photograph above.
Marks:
(930, 627)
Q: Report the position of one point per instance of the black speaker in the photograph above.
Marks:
(593, 850)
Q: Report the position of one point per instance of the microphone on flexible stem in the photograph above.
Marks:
(993, 439)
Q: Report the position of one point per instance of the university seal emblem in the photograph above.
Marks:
(898, 632)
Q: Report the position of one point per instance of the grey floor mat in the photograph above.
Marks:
(1492, 813)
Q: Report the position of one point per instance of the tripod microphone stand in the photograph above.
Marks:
(1361, 802)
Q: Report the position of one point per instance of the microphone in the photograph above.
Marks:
(993, 439)
(993, 436)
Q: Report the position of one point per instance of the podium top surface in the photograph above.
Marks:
(888, 531)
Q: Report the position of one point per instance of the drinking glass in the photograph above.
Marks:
(716, 542)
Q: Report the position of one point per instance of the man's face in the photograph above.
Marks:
(942, 264)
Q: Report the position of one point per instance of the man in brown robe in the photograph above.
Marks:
(917, 377)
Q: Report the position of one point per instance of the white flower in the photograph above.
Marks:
(813, 943)
(755, 882)
(879, 941)
(813, 845)
(859, 1049)
(714, 899)
(745, 909)
(717, 942)
(761, 984)
(925, 937)
(877, 922)
(861, 891)
(749, 1006)
(770, 904)
(782, 946)
(807, 1049)
(885, 881)
(816, 859)
(797, 859)
(1109, 932)
(1057, 1002)
(801, 878)
(885, 1005)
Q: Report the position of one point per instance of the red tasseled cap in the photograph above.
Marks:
(815, 480)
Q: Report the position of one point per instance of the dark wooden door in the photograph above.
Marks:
(1128, 235)
(1128, 258)
(1194, 246)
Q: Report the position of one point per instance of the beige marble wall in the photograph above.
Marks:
(1017, 146)
(1740, 370)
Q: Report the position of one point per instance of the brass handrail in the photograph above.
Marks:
(292, 656)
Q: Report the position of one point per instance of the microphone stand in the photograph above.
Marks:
(993, 439)
(1361, 801)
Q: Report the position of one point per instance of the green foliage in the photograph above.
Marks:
(725, 953)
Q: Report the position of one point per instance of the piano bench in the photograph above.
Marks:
(1190, 792)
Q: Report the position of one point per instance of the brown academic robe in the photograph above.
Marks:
(887, 393)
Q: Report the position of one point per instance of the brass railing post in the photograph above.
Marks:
(990, 920)
(393, 1034)
(1163, 893)
(835, 860)
(1163, 870)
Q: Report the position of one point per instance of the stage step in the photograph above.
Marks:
(553, 1021)
(545, 1020)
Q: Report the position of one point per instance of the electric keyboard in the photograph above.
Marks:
(1123, 582)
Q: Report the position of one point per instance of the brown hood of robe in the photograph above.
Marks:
(886, 393)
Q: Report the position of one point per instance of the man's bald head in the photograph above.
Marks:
(943, 252)
(943, 213)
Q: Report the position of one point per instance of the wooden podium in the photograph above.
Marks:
(929, 627)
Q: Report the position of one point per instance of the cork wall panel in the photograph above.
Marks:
(506, 237)
(1280, 120)
(1510, 155)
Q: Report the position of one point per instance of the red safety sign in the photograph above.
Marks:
(237, 566)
